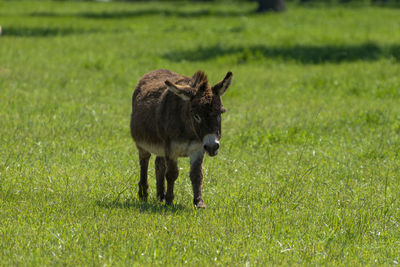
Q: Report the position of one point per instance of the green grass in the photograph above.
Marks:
(308, 171)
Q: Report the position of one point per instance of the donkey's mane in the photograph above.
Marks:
(198, 78)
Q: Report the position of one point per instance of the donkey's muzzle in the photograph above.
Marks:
(212, 149)
(211, 144)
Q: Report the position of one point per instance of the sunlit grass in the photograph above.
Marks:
(309, 161)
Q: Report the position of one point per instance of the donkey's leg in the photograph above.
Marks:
(160, 177)
(171, 175)
(196, 177)
(144, 157)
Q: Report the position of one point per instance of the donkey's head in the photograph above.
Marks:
(205, 107)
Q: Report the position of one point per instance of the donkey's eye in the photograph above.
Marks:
(197, 118)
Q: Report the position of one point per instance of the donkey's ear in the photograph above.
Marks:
(221, 87)
(203, 87)
(183, 91)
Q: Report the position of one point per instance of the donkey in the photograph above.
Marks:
(176, 116)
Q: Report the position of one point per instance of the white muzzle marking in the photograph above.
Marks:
(211, 144)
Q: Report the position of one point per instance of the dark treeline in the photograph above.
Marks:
(280, 5)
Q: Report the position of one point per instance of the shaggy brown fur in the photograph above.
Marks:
(176, 116)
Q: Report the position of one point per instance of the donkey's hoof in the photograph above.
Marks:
(169, 200)
(143, 196)
(200, 204)
(144, 199)
(161, 197)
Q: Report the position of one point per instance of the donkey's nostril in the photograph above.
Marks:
(212, 149)
(211, 144)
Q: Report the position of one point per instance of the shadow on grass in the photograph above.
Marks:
(42, 31)
(150, 207)
(148, 12)
(306, 54)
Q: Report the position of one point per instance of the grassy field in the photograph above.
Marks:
(308, 170)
